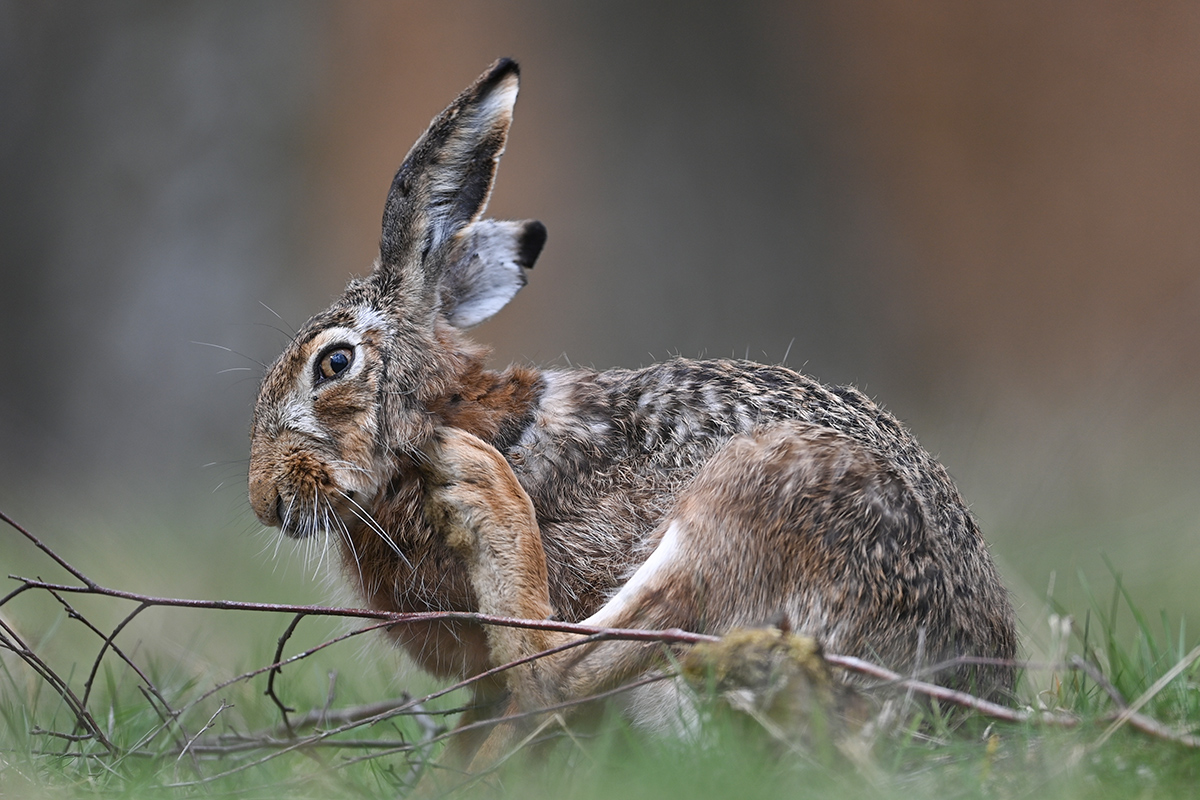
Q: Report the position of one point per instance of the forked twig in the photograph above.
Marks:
(11, 641)
(277, 669)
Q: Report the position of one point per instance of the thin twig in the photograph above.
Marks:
(211, 721)
(277, 664)
(70, 737)
(278, 670)
(55, 557)
(953, 696)
(1092, 671)
(108, 644)
(667, 636)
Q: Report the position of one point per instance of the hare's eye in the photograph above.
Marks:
(333, 363)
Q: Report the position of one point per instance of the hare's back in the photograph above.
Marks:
(668, 409)
(611, 450)
(669, 419)
(680, 413)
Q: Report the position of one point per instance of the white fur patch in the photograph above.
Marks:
(297, 415)
(626, 598)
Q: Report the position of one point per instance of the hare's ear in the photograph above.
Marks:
(487, 267)
(444, 183)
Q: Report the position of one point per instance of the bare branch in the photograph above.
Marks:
(211, 721)
(1092, 671)
(953, 696)
(1128, 714)
(55, 557)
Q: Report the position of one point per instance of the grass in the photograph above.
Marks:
(927, 753)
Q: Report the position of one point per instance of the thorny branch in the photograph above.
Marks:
(326, 727)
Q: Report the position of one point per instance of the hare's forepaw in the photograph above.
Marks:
(470, 489)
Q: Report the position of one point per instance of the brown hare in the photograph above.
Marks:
(702, 495)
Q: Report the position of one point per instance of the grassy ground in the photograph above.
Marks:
(185, 654)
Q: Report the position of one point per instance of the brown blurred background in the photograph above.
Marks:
(986, 215)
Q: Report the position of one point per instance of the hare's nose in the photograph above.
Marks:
(266, 502)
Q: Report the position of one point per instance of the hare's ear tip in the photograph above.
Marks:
(533, 239)
(503, 67)
(496, 89)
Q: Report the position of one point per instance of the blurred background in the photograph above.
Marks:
(985, 215)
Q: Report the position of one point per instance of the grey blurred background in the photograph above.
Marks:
(986, 215)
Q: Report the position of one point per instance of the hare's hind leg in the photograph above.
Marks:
(794, 521)
(773, 526)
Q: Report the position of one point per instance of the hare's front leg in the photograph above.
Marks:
(480, 509)
(475, 503)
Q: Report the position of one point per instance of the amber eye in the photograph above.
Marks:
(333, 363)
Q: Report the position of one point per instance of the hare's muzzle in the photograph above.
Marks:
(294, 488)
(288, 484)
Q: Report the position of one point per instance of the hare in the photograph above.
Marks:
(701, 495)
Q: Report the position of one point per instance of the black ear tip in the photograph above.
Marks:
(500, 70)
(533, 239)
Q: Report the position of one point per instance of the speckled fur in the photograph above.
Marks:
(530, 492)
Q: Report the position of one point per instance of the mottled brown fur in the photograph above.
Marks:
(706, 495)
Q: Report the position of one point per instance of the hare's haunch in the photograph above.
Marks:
(703, 495)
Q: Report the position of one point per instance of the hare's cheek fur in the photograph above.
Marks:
(305, 487)
(314, 461)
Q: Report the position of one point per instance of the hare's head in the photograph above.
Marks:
(351, 395)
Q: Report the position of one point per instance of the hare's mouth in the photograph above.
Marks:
(337, 512)
(345, 518)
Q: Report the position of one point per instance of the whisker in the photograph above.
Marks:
(370, 522)
(231, 350)
(321, 523)
(345, 534)
(278, 317)
(349, 465)
(287, 512)
(289, 337)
